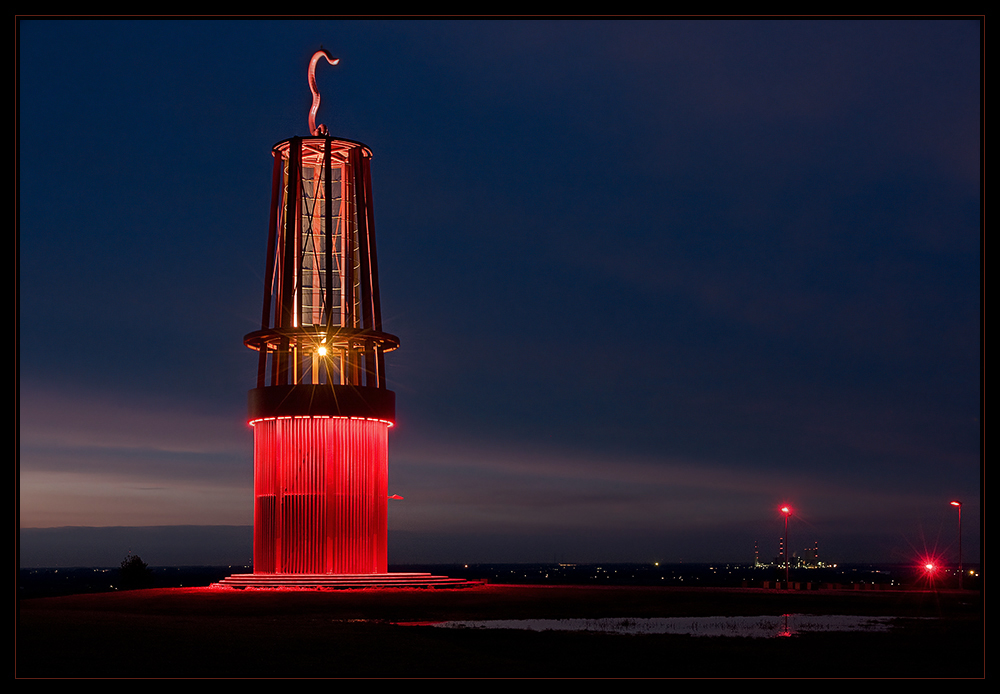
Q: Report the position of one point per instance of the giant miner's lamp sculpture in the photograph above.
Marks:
(321, 412)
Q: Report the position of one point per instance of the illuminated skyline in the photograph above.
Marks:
(652, 278)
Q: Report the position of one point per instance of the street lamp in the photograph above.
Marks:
(787, 511)
(959, 505)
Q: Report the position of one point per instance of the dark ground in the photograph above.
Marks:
(204, 632)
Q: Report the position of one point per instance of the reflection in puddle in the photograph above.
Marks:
(766, 626)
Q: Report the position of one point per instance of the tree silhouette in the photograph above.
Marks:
(134, 573)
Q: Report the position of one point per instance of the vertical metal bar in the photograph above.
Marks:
(297, 306)
(262, 365)
(297, 267)
(348, 186)
(372, 274)
(328, 230)
(265, 314)
(372, 255)
(289, 237)
(276, 176)
(367, 318)
(351, 240)
(289, 260)
(343, 221)
(279, 369)
(279, 497)
(371, 371)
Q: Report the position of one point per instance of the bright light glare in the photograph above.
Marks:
(321, 351)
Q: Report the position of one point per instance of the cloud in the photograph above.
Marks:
(97, 459)
(66, 419)
(52, 499)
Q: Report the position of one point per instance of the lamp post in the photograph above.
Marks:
(787, 512)
(959, 505)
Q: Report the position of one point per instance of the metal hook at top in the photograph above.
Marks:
(322, 53)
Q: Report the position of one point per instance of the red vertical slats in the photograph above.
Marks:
(321, 490)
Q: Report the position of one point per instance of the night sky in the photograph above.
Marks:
(651, 278)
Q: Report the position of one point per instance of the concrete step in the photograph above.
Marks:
(343, 581)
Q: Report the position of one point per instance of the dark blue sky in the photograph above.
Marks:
(651, 278)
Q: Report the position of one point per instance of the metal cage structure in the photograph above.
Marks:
(321, 411)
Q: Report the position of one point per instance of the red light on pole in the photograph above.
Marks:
(960, 568)
(787, 512)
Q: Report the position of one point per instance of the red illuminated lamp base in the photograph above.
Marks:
(320, 495)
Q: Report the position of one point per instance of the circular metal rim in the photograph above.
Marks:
(322, 400)
(314, 337)
(281, 148)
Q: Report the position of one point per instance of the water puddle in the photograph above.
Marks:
(760, 627)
